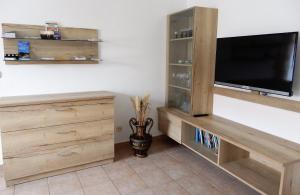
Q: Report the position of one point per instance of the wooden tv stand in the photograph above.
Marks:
(267, 163)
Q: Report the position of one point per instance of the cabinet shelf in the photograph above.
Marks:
(39, 39)
(178, 87)
(202, 151)
(174, 64)
(255, 174)
(182, 39)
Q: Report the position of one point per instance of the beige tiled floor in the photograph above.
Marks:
(169, 169)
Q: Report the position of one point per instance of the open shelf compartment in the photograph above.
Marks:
(189, 140)
(240, 163)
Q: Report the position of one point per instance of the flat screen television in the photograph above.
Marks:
(263, 63)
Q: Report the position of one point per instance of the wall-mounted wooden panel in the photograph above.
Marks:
(281, 103)
(75, 42)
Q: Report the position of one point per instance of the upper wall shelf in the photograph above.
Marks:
(36, 38)
(74, 43)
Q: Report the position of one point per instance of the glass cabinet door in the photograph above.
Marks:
(179, 98)
(180, 76)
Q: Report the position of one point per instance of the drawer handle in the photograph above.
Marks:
(64, 154)
(66, 132)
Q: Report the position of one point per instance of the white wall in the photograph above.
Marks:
(238, 17)
(133, 51)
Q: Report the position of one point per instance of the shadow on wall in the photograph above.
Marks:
(296, 85)
(124, 111)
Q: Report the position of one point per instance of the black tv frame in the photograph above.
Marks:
(264, 91)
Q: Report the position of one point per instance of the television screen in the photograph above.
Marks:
(263, 63)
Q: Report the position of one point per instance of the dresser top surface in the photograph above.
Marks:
(52, 98)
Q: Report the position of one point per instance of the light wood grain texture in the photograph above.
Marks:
(290, 180)
(266, 163)
(46, 135)
(201, 49)
(254, 174)
(229, 152)
(57, 172)
(36, 116)
(63, 51)
(250, 139)
(54, 98)
(204, 54)
(281, 103)
(26, 165)
(170, 125)
(53, 137)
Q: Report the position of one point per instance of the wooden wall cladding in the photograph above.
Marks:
(276, 102)
(74, 42)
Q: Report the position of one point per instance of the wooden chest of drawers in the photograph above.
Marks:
(51, 134)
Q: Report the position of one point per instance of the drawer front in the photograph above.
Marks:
(36, 116)
(49, 138)
(170, 125)
(28, 165)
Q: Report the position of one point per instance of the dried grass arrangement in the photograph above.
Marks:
(141, 107)
(141, 139)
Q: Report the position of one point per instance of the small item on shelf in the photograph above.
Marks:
(94, 59)
(207, 139)
(93, 39)
(47, 58)
(53, 26)
(79, 58)
(24, 50)
(49, 35)
(187, 61)
(10, 35)
(11, 57)
(176, 35)
(180, 61)
(185, 33)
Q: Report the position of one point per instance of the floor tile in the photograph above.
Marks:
(7, 191)
(63, 184)
(170, 188)
(154, 177)
(105, 188)
(38, 187)
(130, 184)
(177, 171)
(2, 183)
(238, 188)
(141, 164)
(118, 169)
(92, 176)
(163, 160)
(76, 192)
(195, 185)
(144, 192)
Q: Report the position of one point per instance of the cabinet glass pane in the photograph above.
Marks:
(180, 76)
(181, 51)
(180, 99)
(181, 25)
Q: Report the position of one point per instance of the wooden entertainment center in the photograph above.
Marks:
(266, 163)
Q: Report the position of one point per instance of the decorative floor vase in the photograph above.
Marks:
(140, 139)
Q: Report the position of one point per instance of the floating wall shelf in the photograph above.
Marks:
(79, 42)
